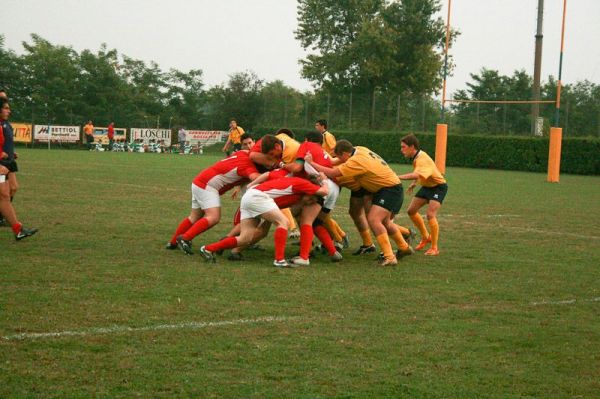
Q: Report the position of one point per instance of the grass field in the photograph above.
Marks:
(511, 307)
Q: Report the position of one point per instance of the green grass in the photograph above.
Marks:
(459, 325)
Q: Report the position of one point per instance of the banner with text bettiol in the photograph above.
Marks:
(22, 132)
(204, 137)
(101, 134)
(156, 135)
(64, 134)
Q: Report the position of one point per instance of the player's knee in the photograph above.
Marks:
(4, 193)
(244, 239)
(213, 219)
(283, 223)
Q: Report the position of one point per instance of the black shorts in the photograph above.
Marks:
(390, 198)
(237, 147)
(436, 193)
(10, 165)
(359, 193)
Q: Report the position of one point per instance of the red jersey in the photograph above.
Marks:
(1, 139)
(227, 173)
(320, 157)
(111, 132)
(286, 191)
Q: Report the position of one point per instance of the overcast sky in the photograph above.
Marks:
(226, 36)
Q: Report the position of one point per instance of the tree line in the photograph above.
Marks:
(374, 65)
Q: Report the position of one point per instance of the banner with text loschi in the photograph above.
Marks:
(146, 135)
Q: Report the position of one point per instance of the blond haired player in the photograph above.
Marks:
(375, 177)
(433, 191)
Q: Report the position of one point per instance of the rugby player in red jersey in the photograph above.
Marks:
(314, 223)
(266, 200)
(207, 188)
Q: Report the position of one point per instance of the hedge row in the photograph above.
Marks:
(579, 155)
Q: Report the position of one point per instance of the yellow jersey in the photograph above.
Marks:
(429, 175)
(88, 129)
(329, 143)
(290, 148)
(369, 170)
(348, 182)
(236, 134)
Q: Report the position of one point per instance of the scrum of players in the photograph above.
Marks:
(295, 186)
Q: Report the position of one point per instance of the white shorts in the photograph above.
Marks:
(205, 198)
(330, 199)
(255, 203)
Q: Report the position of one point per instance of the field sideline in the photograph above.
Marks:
(93, 305)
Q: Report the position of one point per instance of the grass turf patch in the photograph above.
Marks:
(463, 324)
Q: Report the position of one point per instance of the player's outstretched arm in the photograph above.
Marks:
(329, 172)
(260, 179)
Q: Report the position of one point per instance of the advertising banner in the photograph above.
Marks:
(64, 134)
(156, 135)
(101, 134)
(205, 137)
(22, 132)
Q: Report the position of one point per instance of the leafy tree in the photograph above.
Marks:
(371, 46)
(240, 100)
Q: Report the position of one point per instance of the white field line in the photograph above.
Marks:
(565, 302)
(194, 325)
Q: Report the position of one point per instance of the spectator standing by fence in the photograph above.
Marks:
(181, 138)
(88, 130)
(111, 135)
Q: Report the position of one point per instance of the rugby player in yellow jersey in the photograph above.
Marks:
(234, 139)
(328, 138)
(375, 176)
(433, 191)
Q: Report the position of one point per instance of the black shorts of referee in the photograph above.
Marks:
(10, 165)
(390, 198)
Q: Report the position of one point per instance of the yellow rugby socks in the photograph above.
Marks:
(330, 225)
(366, 238)
(385, 245)
(399, 240)
(420, 224)
(435, 232)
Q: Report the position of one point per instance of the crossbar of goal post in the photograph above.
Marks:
(555, 143)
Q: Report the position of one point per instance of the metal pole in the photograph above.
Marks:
(285, 110)
(306, 114)
(328, 105)
(423, 113)
(567, 118)
(562, 47)
(350, 112)
(537, 67)
(504, 117)
(446, 58)
(398, 113)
